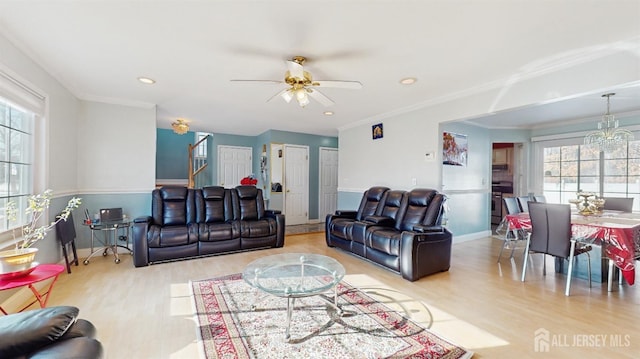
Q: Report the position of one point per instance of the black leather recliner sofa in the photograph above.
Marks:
(400, 230)
(48, 333)
(188, 223)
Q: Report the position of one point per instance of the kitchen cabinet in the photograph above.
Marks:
(502, 156)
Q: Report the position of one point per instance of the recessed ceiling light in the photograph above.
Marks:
(328, 113)
(146, 80)
(408, 81)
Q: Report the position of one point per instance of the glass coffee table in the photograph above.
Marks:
(295, 275)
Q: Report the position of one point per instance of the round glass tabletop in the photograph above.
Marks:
(294, 274)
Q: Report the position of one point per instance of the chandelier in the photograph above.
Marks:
(180, 126)
(609, 136)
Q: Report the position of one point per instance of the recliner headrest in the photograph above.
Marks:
(376, 193)
(213, 192)
(421, 196)
(173, 193)
(247, 192)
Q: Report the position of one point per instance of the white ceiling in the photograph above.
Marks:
(98, 49)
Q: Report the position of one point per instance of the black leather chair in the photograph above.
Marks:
(48, 333)
(66, 233)
(551, 234)
(339, 225)
(393, 205)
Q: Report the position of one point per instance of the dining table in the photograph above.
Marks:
(617, 232)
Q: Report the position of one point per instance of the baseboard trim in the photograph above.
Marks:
(471, 236)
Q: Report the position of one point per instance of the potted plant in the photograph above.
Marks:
(21, 257)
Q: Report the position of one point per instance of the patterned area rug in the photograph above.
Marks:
(229, 328)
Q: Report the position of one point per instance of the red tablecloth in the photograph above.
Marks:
(618, 235)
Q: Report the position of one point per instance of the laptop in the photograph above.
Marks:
(110, 215)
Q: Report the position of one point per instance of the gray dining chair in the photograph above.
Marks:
(551, 234)
(540, 198)
(523, 202)
(512, 236)
(618, 204)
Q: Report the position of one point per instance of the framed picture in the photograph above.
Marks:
(376, 131)
(454, 149)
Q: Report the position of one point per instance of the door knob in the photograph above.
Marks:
(288, 191)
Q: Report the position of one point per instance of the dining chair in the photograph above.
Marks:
(522, 202)
(512, 207)
(551, 234)
(540, 199)
(618, 204)
(66, 233)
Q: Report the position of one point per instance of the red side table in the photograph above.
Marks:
(41, 273)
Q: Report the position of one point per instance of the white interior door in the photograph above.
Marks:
(328, 198)
(234, 164)
(296, 184)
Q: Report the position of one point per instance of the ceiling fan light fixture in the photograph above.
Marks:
(180, 126)
(287, 95)
(609, 136)
(302, 97)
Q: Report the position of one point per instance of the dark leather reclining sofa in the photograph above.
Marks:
(399, 230)
(188, 223)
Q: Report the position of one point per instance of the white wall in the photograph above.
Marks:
(392, 161)
(60, 160)
(116, 148)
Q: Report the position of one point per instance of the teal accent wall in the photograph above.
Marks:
(172, 154)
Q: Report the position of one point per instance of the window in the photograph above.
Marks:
(22, 111)
(16, 153)
(201, 150)
(571, 168)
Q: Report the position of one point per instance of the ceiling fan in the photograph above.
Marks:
(302, 86)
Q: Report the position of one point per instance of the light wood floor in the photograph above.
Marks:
(146, 312)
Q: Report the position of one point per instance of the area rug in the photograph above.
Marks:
(229, 328)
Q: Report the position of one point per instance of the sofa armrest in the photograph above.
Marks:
(422, 254)
(381, 220)
(139, 233)
(143, 219)
(428, 229)
(280, 223)
(346, 213)
(26, 332)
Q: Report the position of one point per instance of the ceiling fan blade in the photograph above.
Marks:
(284, 94)
(320, 97)
(263, 82)
(295, 69)
(355, 85)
